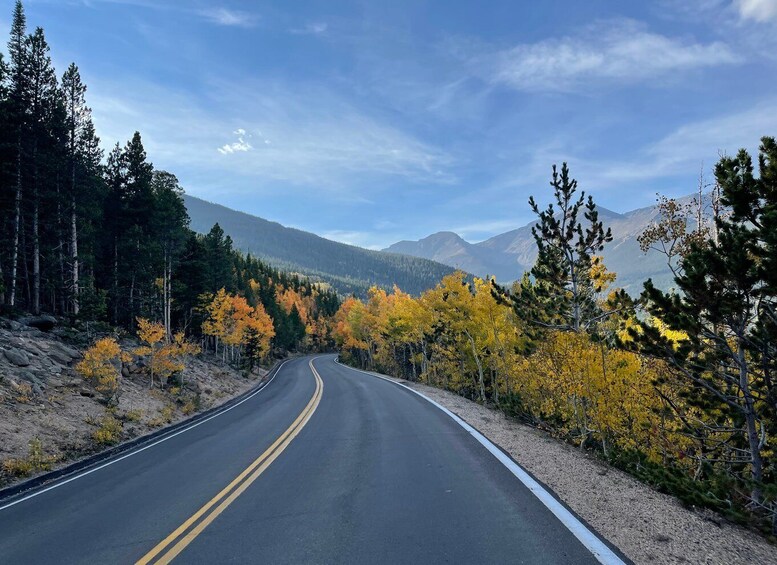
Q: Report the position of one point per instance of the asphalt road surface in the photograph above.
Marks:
(325, 465)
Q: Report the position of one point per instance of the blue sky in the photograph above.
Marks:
(370, 122)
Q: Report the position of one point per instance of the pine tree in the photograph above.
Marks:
(726, 308)
(77, 118)
(19, 122)
(563, 295)
(170, 224)
(42, 95)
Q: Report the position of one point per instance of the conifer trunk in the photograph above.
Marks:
(74, 256)
(16, 223)
(35, 235)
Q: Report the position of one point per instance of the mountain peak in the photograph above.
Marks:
(506, 256)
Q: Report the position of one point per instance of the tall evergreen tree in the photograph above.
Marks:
(725, 308)
(18, 108)
(77, 117)
(563, 295)
(43, 87)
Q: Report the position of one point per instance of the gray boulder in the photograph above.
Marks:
(25, 344)
(59, 357)
(44, 323)
(66, 350)
(17, 357)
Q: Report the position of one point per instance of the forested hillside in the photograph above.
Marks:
(677, 388)
(348, 268)
(95, 237)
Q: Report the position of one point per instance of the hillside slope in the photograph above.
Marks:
(508, 255)
(348, 268)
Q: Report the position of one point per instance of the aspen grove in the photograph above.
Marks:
(676, 387)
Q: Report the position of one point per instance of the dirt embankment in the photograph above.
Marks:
(648, 526)
(50, 416)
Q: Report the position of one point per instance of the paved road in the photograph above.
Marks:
(338, 467)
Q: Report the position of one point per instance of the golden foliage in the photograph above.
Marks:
(99, 367)
(459, 336)
(109, 430)
(35, 462)
(233, 322)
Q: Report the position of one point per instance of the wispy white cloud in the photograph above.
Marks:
(619, 51)
(226, 17)
(360, 238)
(757, 10)
(302, 137)
(311, 28)
(486, 227)
(682, 151)
(241, 145)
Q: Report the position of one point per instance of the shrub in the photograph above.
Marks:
(35, 462)
(110, 430)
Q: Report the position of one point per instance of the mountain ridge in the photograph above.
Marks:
(348, 268)
(508, 255)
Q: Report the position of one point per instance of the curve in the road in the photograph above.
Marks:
(374, 474)
(200, 520)
(588, 538)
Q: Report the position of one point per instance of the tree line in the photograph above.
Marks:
(677, 387)
(90, 236)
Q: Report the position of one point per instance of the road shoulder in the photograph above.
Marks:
(647, 526)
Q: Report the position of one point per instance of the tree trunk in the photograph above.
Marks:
(16, 223)
(750, 420)
(481, 381)
(74, 254)
(35, 235)
(115, 281)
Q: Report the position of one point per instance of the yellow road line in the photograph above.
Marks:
(234, 489)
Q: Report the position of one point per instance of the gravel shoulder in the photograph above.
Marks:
(647, 526)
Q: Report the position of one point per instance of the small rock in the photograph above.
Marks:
(60, 357)
(662, 538)
(25, 345)
(17, 357)
(66, 350)
(13, 325)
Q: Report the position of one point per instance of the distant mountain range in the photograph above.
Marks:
(347, 268)
(507, 256)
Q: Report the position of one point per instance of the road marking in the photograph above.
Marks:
(234, 489)
(150, 445)
(588, 538)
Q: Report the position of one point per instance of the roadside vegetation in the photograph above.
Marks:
(99, 247)
(676, 387)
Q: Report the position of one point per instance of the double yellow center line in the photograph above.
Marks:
(166, 550)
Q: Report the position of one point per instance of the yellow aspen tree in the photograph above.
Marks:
(152, 334)
(99, 367)
(217, 322)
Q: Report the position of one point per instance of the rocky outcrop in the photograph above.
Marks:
(33, 356)
(44, 323)
(17, 357)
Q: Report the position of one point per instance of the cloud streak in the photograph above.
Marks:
(620, 51)
(231, 18)
(302, 137)
(312, 28)
(757, 10)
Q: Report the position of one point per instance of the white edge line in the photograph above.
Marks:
(136, 451)
(589, 539)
